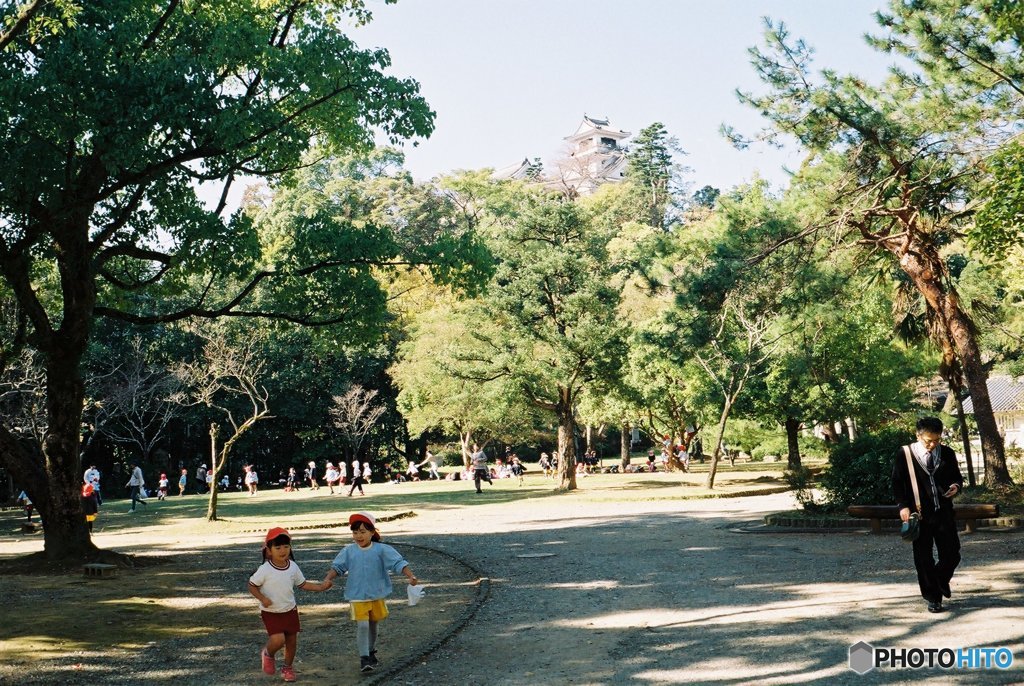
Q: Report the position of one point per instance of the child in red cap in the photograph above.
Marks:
(90, 504)
(274, 585)
(367, 563)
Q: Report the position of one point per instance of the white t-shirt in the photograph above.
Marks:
(278, 585)
(92, 476)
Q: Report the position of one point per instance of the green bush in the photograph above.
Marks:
(778, 445)
(861, 472)
(449, 458)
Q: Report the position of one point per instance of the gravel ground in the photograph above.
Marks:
(568, 590)
(677, 592)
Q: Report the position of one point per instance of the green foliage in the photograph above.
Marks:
(861, 472)
(777, 444)
(801, 480)
(999, 224)
(654, 171)
(706, 197)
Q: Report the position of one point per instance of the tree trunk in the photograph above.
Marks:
(215, 465)
(792, 433)
(466, 439)
(625, 442)
(566, 441)
(65, 532)
(965, 437)
(925, 268)
(719, 434)
(851, 428)
(52, 473)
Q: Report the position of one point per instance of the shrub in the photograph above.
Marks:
(861, 472)
(449, 458)
(801, 480)
(779, 445)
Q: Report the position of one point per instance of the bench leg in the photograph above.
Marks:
(876, 526)
(970, 526)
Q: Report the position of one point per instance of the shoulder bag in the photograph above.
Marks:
(911, 529)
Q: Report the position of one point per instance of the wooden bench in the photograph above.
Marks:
(970, 513)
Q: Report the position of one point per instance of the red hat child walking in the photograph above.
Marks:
(274, 584)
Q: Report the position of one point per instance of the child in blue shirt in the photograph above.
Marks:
(368, 564)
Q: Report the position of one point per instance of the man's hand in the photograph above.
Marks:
(953, 490)
(905, 514)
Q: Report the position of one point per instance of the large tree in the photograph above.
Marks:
(903, 163)
(108, 129)
(550, 321)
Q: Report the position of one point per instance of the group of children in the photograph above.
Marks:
(367, 563)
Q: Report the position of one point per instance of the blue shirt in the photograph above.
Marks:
(368, 570)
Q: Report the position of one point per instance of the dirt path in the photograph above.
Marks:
(671, 593)
(576, 590)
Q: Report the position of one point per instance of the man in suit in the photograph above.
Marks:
(938, 478)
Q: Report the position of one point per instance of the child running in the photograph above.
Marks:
(274, 585)
(367, 563)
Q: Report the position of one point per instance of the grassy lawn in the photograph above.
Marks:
(240, 512)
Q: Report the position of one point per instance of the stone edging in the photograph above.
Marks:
(826, 523)
(483, 591)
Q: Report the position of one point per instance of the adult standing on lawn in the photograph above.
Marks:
(938, 479)
(135, 484)
(480, 472)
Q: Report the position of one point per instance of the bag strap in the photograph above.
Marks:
(913, 477)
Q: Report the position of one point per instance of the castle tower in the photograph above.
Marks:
(596, 156)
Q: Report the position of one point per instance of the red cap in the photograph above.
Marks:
(365, 518)
(274, 533)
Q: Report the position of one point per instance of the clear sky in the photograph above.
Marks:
(510, 78)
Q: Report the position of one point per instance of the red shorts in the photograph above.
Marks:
(281, 622)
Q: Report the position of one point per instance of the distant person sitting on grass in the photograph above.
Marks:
(274, 584)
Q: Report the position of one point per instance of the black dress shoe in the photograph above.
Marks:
(935, 606)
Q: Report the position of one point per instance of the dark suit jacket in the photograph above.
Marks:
(946, 474)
